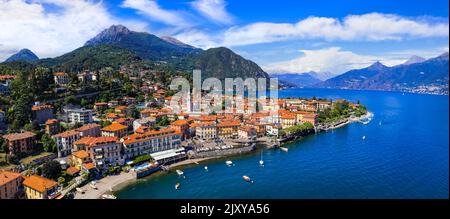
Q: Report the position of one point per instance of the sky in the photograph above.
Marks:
(281, 36)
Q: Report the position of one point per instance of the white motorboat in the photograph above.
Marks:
(206, 168)
(284, 149)
(261, 162)
(179, 172)
(177, 185)
(108, 196)
(229, 162)
(364, 137)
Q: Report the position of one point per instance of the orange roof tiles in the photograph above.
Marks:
(59, 74)
(41, 107)
(229, 123)
(72, 170)
(18, 136)
(39, 183)
(89, 166)
(81, 154)
(114, 127)
(67, 134)
(88, 126)
(7, 77)
(51, 121)
(8, 176)
(180, 122)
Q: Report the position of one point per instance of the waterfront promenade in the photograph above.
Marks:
(105, 185)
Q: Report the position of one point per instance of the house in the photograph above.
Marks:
(127, 121)
(247, 132)
(5, 82)
(100, 106)
(92, 129)
(52, 127)
(61, 78)
(311, 118)
(121, 109)
(79, 158)
(20, 142)
(287, 120)
(64, 142)
(273, 129)
(228, 129)
(181, 126)
(148, 122)
(82, 116)
(10, 184)
(105, 151)
(115, 130)
(87, 76)
(42, 113)
(38, 187)
(150, 142)
(205, 130)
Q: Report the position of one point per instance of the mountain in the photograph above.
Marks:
(299, 80)
(414, 59)
(223, 63)
(176, 42)
(215, 62)
(429, 76)
(23, 55)
(145, 45)
(92, 58)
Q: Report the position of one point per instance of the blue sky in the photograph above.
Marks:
(281, 36)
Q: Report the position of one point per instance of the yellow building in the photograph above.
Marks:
(79, 158)
(228, 129)
(115, 130)
(38, 187)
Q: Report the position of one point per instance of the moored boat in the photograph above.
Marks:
(247, 179)
(229, 162)
(177, 185)
(108, 196)
(179, 172)
(284, 149)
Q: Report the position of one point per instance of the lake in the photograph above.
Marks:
(407, 156)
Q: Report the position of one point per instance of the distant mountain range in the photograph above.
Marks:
(25, 55)
(298, 80)
(416, 75)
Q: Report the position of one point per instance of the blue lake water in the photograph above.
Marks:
(406, 157)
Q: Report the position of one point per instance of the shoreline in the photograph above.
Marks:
(112, 184)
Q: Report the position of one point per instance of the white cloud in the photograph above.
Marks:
(28, 24)
(151, 9)
(333, 60)
(366, 27)
(214, 10)
(197, 38)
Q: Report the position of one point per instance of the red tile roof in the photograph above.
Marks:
(39, 183)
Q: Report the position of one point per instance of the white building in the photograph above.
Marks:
(83, 116)
(150, 142)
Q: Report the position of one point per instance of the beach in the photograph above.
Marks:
(105, 185)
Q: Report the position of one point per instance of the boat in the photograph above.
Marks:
(284, 149)
(108, 196)
(261, 162)
(80, 190)
(177, 185)
(364, 137)
(206, 168)
(179, 172)
(379, 123)
(247, 179)
(229, 162)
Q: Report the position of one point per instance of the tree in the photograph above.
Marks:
(48, 143)
(51, 169)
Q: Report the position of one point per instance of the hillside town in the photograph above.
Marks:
(73, 141)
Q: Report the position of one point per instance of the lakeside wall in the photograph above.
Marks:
(226, 152)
